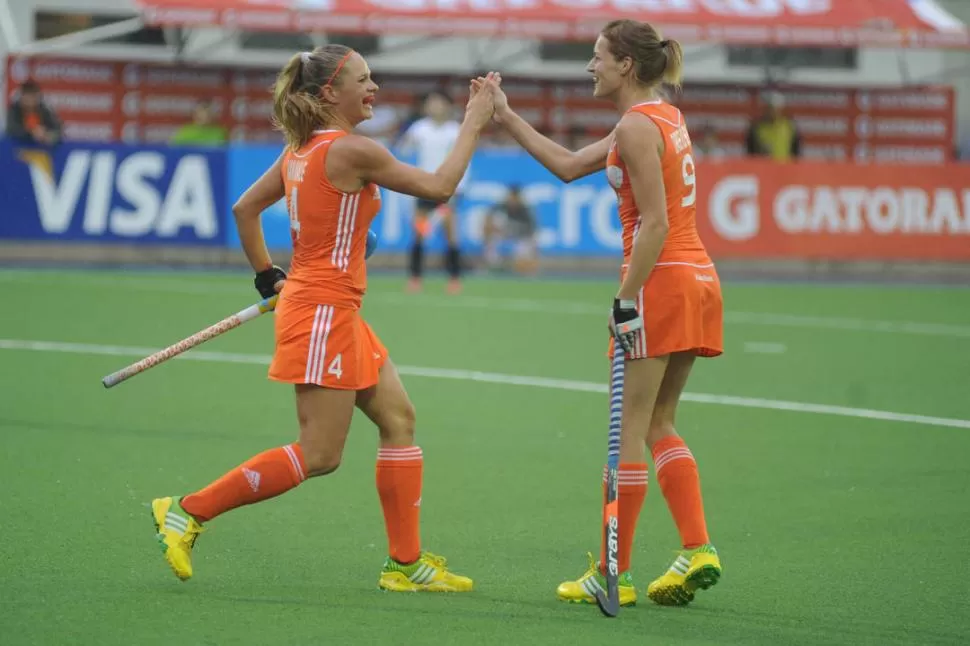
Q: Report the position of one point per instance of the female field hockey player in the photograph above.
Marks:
(668, 309)
(330, 178)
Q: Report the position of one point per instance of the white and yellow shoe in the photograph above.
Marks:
(428, 574)
(176, 532)
(584, 589)
(696, 569)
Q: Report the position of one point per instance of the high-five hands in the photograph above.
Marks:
(492, 82)
(481, 101)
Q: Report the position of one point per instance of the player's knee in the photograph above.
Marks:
(636, 421)
(398, 426)
(659, 429)
(321, 461)
(320, 456)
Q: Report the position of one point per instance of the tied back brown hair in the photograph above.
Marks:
(298, 108)
(655, 61)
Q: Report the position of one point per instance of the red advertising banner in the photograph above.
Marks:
(763, 210)
(908, 125)
(101, 100)
(847, 23)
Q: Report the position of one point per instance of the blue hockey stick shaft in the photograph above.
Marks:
(610, 603)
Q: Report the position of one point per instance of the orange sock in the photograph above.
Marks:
(399, 472)
(264, 476)
(631, 492)
(681, 486)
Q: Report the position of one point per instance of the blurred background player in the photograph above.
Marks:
(330, 179)
(203, 130)
(513, 221)
(432, 137)
(668, 309)
(30, 120)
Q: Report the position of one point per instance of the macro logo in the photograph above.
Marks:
(112, 194)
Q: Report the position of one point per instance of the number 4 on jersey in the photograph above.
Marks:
(336, 367)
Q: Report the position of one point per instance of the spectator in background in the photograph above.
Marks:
(708, 146)
(962, 153)
(514, 221)
(30, 120)
(204, 130)
(774, 135)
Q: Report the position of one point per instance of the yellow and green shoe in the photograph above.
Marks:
(692, 570)
(428, 574)
(176, 532)
(584, 589)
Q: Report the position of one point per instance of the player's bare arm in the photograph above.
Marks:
(372, 162)
(267, 190)
(565, 164)
(369, 161)
(640, 146)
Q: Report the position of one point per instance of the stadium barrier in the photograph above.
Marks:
(103, 100)
(156, 197)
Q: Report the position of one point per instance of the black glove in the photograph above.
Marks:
(266, 280)
(625, 323)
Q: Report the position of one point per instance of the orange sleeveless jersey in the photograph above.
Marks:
(328, 228)
(683, 245)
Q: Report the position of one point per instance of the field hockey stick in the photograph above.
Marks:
(609, 603)
(211, 332)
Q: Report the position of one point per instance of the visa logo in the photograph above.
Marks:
(146, 206)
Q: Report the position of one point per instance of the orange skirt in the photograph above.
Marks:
(682, 311)
(325, 345)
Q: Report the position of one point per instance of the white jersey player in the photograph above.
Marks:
(432, 138)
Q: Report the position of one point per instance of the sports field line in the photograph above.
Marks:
(517, 305)
(498, 378)
(746, 318)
